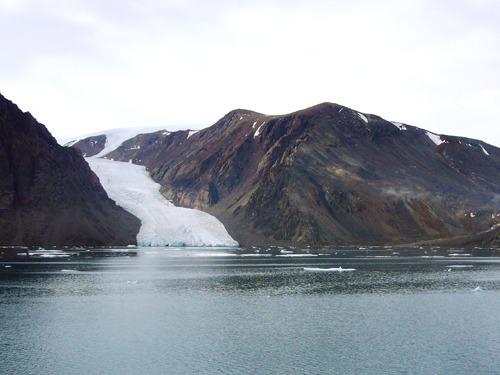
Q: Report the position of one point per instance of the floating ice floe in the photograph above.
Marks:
(296, 255)
(334, 269)
(255, 255)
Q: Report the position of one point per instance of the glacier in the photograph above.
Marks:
(163, 223)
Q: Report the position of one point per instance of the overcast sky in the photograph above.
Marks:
(86, 65)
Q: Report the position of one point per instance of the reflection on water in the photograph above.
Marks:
(212, 311)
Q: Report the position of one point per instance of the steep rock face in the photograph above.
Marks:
(48, 194)
(325, 175)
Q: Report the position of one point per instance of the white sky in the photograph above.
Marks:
(85, 65)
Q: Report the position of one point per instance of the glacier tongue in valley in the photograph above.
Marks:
(163, 224)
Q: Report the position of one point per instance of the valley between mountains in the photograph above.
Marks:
(325, 175)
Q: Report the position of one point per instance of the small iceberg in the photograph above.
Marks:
(295, 255)
(255, 255)
(478, 289)
(334, 269)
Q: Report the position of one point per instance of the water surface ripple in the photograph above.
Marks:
(178, 311)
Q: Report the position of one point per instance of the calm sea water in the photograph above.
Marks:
(180, 311)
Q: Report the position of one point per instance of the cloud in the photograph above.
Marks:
(81, 66)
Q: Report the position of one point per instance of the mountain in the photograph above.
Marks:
(325, 175)
(48, 194)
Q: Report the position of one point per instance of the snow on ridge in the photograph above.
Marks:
(399, 125)
(163, 224)
(116, 137)
(484, 150)
(258, 131)
(362, 117)
(192, 132)
(434, 138)
(70, 143)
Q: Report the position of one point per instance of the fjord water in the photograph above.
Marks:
(206, 311)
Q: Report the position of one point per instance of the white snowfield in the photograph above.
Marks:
(131, 187)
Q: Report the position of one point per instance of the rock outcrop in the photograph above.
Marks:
(48, 194)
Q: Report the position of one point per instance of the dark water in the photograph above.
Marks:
(203, 312)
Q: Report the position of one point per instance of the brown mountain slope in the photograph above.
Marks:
(48, 194)
(325, 175)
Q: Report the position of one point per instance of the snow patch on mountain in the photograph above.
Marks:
(363, 117)
(192, 132)
(258, 131)
(115, 137)
(399, 125)
(434, 138)
(484, 150)
(163, 224)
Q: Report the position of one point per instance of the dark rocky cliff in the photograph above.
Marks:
(48, 194)
(325, 175)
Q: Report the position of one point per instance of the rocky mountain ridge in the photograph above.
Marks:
(48, 194)
(325, 175)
